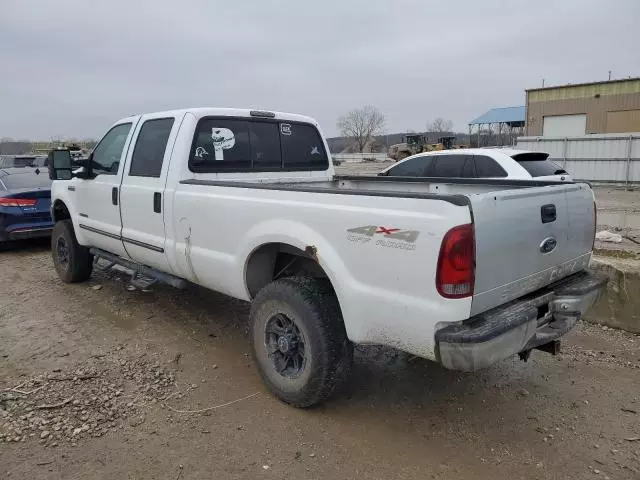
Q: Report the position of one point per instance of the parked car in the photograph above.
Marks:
(485, 163)
(246, 203)
(25, 200)
(17, 161)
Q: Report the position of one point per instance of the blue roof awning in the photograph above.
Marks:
(501, 115)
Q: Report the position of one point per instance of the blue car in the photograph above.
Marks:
(25, 198)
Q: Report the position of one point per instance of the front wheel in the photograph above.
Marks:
(72, 261)
(299, 341)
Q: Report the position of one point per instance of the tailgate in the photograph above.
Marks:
(527, 238)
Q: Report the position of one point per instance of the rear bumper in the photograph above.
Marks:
(521, 325)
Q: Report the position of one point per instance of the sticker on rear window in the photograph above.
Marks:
(285, 129)
(223, 139)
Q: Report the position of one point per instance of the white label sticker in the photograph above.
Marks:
(285, 129)
(223, 139)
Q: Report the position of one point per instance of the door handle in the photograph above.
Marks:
(157, 202)
(548, 213)
(114, 195)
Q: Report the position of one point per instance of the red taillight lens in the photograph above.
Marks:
(17, 202)
(456, 263)
(595, 225)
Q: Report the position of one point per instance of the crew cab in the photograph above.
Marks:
(504, 163)
(464, 272)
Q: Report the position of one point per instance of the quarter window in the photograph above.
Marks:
(487, 167)
(150, 148)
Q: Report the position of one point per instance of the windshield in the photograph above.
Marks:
(537, 164)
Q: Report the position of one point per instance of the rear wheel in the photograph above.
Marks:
(299, 341)
(72, 261)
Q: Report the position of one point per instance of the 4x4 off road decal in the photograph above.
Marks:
(389, 237)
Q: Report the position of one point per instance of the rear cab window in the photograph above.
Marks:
(223, 144)
(537, 164)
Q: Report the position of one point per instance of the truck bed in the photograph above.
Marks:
(453, 190)
(510, 231)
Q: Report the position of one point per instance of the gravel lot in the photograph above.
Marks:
(100, 382)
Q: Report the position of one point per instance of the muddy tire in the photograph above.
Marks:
(299, 342)
(72, 261)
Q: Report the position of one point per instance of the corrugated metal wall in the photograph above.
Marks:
(598, 158)
(595, 100)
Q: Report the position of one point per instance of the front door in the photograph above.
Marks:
(98, 197)
(143, 190)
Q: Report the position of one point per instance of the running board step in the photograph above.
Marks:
(142, 282)
(141, 273)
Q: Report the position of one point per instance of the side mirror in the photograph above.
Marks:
(86, 165)
(59, 165)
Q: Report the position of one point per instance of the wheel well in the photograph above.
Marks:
(60, 211)
(277, 260)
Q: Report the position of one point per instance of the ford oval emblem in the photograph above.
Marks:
(548, 245)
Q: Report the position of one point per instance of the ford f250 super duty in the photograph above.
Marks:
(460, 271)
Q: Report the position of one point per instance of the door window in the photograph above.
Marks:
(413, 167)
(107, 154)
(150, 148)
(456, 166)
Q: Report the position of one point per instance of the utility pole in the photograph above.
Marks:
(543, 83)
(609, 74)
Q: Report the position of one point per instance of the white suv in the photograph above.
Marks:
(499, 163)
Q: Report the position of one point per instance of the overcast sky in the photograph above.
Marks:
(71, 68)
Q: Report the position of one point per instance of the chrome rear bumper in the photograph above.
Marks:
(518, 326)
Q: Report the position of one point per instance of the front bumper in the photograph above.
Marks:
(518, 326)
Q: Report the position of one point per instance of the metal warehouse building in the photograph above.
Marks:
(573, 110)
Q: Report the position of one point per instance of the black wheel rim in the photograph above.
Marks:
(62, 252)
(285, 346)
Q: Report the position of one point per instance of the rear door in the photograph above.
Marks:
(143, 190)
(529, 237)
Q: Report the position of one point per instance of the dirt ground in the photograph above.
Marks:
(94, 380)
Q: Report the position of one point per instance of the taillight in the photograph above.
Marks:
(595, 225)
(456, 263)
(17, 202)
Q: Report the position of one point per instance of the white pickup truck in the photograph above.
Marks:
(464, 272)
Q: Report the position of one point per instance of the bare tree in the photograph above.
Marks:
(440, 125)
(362, 124)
